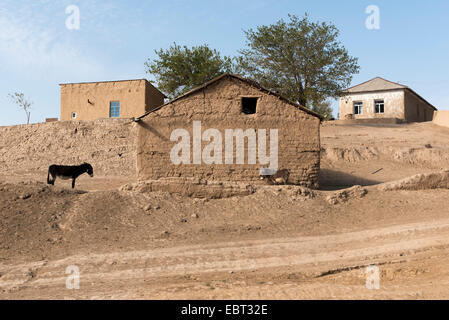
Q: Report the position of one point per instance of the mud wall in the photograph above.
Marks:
(109, 145)
(441, 118)
(366, 121)
(219, 106)
(91, 101)
(153, 97)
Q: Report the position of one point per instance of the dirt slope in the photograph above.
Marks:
(370, 154)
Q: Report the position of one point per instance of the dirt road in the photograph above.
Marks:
(330, 266)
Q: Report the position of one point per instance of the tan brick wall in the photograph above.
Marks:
(394, 104)
(135, 97)
(219, 106)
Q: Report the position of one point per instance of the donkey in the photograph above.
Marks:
(280, 177)
(68, 172)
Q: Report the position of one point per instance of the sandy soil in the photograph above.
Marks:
(278, 243)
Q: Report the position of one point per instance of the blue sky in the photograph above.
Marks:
(37, 51)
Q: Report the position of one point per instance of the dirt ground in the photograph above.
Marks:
(282, 242)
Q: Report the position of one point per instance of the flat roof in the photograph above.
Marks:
(109, 81)
(63, 84)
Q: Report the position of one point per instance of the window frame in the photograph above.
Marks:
(378, 101)
(113, 111)
(359, 106)
(74, 113)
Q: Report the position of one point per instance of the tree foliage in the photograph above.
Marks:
(180, 69)
(301, 59)
(323, 108)
(20, 100)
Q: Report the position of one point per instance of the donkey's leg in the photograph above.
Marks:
(51, 178)
(73, 183)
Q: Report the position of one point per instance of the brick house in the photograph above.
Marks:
(380, 99)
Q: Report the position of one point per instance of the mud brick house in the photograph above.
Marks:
(108, 99)
(219, 120)
(379, 98)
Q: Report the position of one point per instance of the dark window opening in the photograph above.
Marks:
(358, 107)
(379, 106)
(249, 105)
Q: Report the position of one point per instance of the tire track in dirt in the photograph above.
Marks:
(319, 254)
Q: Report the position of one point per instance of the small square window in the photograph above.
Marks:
(73, 115)
(249, 105)
(358, 107)
(379, 106)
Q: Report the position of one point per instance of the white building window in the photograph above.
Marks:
(73, 115)
(379, 106)
(358, 107)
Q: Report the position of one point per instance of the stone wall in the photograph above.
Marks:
(218, 106)
(109, 145)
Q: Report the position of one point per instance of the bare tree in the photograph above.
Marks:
(19, 99)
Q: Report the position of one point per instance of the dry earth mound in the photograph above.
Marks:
(436, 180)
(347, 194)
(416, 143)
(426, 155)
(197, 188)
(190, 187)
(108, 144)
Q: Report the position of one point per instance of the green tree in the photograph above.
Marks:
(20, 100)
(180, 69)
(301, 59)
(323, 108)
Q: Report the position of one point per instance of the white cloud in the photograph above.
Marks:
(35, 40)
